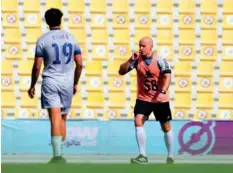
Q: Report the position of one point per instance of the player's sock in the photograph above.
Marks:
(168, 138)
(56, 143)
(141, 140)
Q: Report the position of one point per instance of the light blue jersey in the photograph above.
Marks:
(57, 48)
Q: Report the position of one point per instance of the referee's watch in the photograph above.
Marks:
(163, 91)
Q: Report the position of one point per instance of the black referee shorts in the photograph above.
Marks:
(161, 111)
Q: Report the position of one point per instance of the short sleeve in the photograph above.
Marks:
(163, 65)
(77, 49)
(39, 49)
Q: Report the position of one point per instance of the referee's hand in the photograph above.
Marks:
(31, 92)
(134, 56)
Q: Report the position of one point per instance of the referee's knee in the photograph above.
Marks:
(166, 127)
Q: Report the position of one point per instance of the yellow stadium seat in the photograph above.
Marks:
(25, 83)
(183, 84)
(99, 20)
(74, 6)
(100, 52)
(117, 100)
(205, 69)
(8, 99)
(31, 6)
(142, 6)
(183, 100)
(209, 21)
(27, 102)
(227, 53)
(205, 84)
(94, 84)
(226, 84)
(164, 21)
(187, 21)
(133, 84)
(32, 20)
(76, 20)
(166, 51)
(187, 6)
(133, 98)
(227, 21)
(121, 6)
(112, 114)
(8, 83)
(33, 34)
(142, 20)
(226, 69)
(116, 84)
(140, 33)
(187, 52)
(187, 37)
(77, 101)
(6, 67)
(12, 35)
(209, 6)
(180, 114)
(205, 101)
(10, 20)
(225, 101)
(25, 67)
(9, 6)
(209, 37)
(79, 34)
(99, 36)
(227, 37)
(208, 52)
(13, 51)
(113, 68)
(163, 6)
(165, 36)
(87, 114)
(121, 36)
(228, 14)
(228, 6)
(93, 68)
(97, 6)
(31, 51)
(54, 4)
(202, 114)
(183, 69)
(225, 114)
(120, 20)
(95, 100)
(121, 51)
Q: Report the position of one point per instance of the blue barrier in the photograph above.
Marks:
(117, 137)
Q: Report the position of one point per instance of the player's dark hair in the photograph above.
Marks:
(53, 17)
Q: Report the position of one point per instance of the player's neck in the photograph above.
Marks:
(55, 27)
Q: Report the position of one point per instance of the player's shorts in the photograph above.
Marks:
(161, 111)
(53, 96)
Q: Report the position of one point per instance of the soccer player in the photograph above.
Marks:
(59, 51)
(153, 80)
